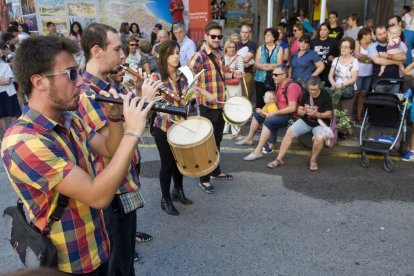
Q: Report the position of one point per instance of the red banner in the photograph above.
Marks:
(4, 17)
(199, 14)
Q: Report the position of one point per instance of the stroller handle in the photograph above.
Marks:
(389, 80)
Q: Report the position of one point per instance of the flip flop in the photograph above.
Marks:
(275, 163)
(313, 166)
(243, 142)
(223, 176)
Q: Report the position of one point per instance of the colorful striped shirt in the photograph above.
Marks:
(95, 116)
(210, 80)
(178, 87)
(37, 156)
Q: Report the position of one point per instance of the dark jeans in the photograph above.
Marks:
(102, 270)
(168, 166)
(260, 91)
(216, 118)
(121, 230)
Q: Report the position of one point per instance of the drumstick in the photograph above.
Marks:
(183, 126)
(245, 87)
(229, 103)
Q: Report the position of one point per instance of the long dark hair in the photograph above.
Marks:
(74, 23)
(166, 49)
(134, 24)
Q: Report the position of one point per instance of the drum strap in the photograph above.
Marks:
(218, 70)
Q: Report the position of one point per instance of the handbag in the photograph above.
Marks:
(233, 82)
(348, 92)
(227, 69)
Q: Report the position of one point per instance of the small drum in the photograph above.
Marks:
(237, 111)
(195, 151)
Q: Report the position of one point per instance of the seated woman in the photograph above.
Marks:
(288, 95)
(315, 104)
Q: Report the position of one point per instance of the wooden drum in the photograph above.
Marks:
(237, 111)
(193, 146)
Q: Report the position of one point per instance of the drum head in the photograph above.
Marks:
(180, 135)
(238, 109)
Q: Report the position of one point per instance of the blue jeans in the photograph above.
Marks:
(409, 41)
(273, 123)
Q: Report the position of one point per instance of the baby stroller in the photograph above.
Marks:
(383, 128)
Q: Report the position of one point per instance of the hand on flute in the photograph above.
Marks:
(149, 88)
(135, 115)
(113, 110)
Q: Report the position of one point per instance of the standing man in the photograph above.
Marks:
(51, 27)
(218, 10)
(377, 52)
(248, 59)
(49, 150)
(187, 46)
(212, 91)
(103, 50)
(353, 28)
(247, 18)
(162, 36)
(335, 31)
(176, 10)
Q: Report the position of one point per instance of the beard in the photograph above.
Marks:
(60, 103)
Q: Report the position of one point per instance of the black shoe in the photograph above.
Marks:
(178, 195)
(207, 187)
(137, 257)
(341, 136)
(167, 206)
(142, 237)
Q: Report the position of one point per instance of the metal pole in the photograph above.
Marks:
(323, 10)
(269, 13)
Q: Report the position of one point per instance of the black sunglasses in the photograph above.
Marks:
(275, 74)
(220, 37)
(73, 73)
(133, 45)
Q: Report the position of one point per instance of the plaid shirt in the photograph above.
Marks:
(37, 157)
(95, 116)
(178, 86)
(210, 80)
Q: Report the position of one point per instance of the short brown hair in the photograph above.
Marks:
(145, 46)
(212, 25)
(350, 40)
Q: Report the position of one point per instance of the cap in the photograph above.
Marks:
(159, 26)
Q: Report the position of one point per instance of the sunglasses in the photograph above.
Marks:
(220, 37)
(133, 45)
(275, 74)
(295, 30)
(73, 73)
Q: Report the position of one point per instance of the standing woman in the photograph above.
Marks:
(282, 42)
(365, 69)
(267, 57)
(169, 62)
(75, 34)
(233, 64)
(343, 75)
(124, 31)
(134, 30)
(298, 32)
(305, 63)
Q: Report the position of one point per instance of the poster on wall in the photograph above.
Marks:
(28, 7)
(84, 21)
(52, 7)
(14, 9)
(31, 22)
(81, 8)
(60, 23)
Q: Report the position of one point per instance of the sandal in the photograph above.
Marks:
(275, 163)
(253, 156)
(222, 176)
(142, 237)
(243, 142)
(313, 166)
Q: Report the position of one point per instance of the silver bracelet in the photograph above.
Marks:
(133, 134)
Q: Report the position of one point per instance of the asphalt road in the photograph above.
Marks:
(341, 220)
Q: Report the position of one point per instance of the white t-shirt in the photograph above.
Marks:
(365, 69)
(343, 72)
(408, 21)
(6, 72)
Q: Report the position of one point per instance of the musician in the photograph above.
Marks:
(49, 152)
(103, 51)
(212, 91)
(169, 62)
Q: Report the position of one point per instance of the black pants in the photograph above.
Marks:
(121, 230)
(260, 91)
(168, 166)
(102, 270)
(216, 118)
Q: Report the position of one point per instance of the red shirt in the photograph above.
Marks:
(293, 94)
(177, 15)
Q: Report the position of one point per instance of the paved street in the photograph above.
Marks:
(341, 220)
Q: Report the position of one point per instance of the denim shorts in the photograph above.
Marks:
(300, 127)
(363, 83)
(259, 118)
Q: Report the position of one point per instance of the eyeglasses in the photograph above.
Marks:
(295, 30)
(345, 47)
(220, 37)
(276, 74)
(133, 45)
(73, 73)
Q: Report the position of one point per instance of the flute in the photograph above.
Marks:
(170, 109)
(183, 102)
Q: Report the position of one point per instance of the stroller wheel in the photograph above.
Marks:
(388, 164)
(364, 160)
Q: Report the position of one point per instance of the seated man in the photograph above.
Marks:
(315, 104)
(288, 95)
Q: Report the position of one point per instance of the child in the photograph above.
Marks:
(394, 46)
(260, 114)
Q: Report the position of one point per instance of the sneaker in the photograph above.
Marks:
(409, 156)
(206, 187)
(267, 149)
